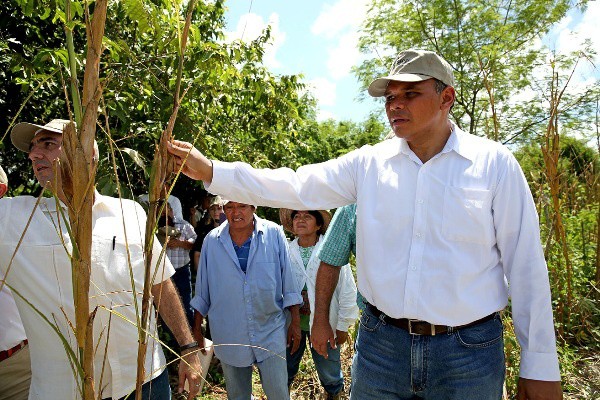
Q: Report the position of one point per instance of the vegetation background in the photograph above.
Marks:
(236, 109)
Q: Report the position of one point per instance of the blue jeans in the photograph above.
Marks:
(157, 389)
(182, 278)
(390, 363)
(328, 369)
(273, 375)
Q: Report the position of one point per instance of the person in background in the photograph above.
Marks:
(446, 229)
(15, 366)
(41, 272)
(309, 227)
(174, 201)
(211, 221)
(178, 251)
(339, 242)
(244, 285)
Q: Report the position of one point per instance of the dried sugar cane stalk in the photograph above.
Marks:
(162, 165)
(78, 173)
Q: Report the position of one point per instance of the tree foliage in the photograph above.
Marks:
(234, 108)
(491, 45)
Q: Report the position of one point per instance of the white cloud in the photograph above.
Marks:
(323, 115)
(340, 23)
(323, 90)
(341, 15)
(570, 34)
(250, 26)
(344, 56)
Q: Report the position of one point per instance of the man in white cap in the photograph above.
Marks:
(446, 229)
(41, 274)
(15, 367)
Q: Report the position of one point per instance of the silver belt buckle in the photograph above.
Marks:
(410, 321)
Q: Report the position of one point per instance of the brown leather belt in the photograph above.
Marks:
(8, 353)
(416, 327)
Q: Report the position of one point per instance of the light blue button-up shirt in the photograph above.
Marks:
(246, 310)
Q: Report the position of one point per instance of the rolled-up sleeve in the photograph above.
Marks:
(337, 242)
(201, 300)
(291, 295)
(160, 263)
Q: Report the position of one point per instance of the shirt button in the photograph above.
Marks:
(414, 269)
(418, 235)
(420, 201)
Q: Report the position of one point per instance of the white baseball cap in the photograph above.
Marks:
(23, 133)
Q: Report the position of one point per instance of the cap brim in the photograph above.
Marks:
(378, 87)
(22, 134)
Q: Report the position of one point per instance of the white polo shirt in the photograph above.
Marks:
(41, 272)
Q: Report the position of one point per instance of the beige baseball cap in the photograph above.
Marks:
(414, 66)
(23, 133)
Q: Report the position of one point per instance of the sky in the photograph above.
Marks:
(319, 39)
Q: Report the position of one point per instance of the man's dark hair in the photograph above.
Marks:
(439, 85)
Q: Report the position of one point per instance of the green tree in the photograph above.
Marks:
(234, 108)
(490, 45)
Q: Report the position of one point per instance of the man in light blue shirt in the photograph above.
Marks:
(244, 284)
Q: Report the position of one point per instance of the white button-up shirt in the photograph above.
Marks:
(443, 241)
(41, 272)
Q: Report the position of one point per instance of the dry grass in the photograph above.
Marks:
(584, 385)
(306, 386)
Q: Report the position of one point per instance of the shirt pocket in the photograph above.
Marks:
(268, 295)
(112, 257)
(467, 215)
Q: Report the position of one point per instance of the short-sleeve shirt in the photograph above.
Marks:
(340, 239)
(41, 272)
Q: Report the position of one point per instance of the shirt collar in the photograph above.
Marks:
(392, 147)
(457, 142)
(50, 204)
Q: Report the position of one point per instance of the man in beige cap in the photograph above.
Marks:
(446, 230)
(41, 273)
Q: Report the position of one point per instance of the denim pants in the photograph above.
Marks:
(157, 389)
(273, 376)
(390, 363)
(329, 369)
(182, 279)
